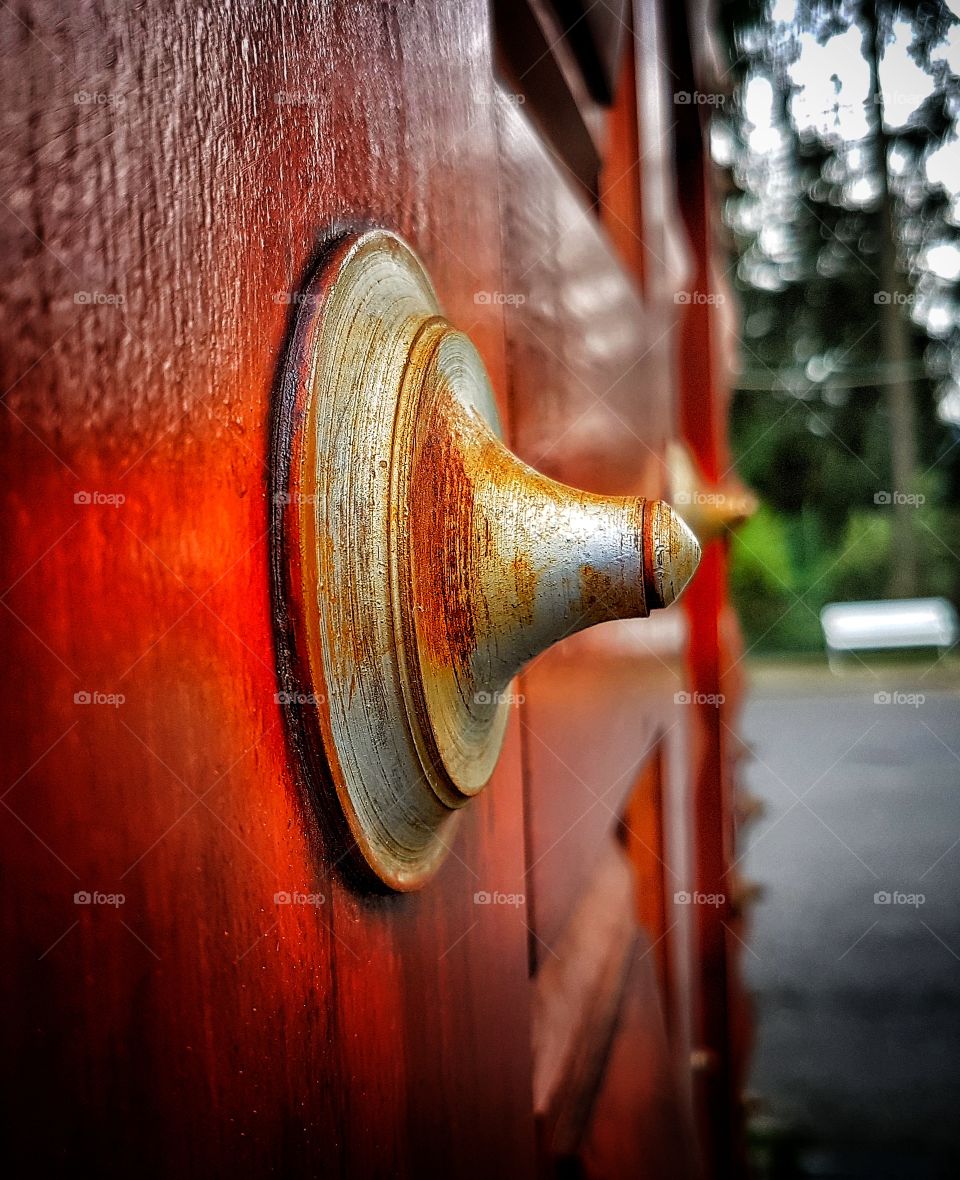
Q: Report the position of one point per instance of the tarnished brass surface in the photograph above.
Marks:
(710, 511)
(430, 563)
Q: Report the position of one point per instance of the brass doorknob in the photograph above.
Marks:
(419, 564)
(710, 511)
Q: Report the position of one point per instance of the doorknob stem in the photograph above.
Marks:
(497, 562)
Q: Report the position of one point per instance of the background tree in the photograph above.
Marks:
(843, 160)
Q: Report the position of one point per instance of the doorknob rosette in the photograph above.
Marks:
(419, 563)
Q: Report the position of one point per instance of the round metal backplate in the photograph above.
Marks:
(341, 665)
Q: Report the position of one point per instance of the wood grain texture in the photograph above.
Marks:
(633, 1108)
(577, 996)
(170, 175)
(201, 1028)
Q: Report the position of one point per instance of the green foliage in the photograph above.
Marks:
(807, 214)
(782, 581)
(783, 570)
(764, 584)
(859, 569)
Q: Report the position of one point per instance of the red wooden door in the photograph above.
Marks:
(170, 173)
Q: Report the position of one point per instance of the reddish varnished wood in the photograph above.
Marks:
(646, 845)
(635, 1105)
(716, 650)
(621, 179)
(202, 1029)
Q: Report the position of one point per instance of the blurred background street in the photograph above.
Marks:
(855, 949)
(842, 213)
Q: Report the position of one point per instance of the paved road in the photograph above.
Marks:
(858, 997)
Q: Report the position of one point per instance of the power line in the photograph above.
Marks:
(795, 380)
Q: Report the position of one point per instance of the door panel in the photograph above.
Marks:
(591, 386)
(170, 178)
(214, 1029)
(594, 383)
